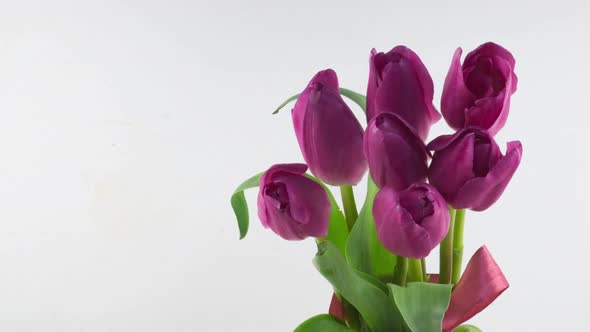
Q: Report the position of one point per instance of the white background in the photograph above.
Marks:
(126, 125)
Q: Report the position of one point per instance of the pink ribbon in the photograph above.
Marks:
(481, 283)
(336, 308)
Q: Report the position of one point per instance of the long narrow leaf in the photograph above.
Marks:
(290, 99)
(354, 96)
(240, 206)
(371, 302)
(467, 328)
(422, 304)
(364, 251)
(337, 230)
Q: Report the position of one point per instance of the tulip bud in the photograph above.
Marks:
(478, 92)
(329, 135)
(400, 83)
(397, 156)
(469, 170)
(292, 205)
(411, 222)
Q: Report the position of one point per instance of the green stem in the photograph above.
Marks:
(458, 244)
(415, 273)
(351, 215)
(350, 211)
(424, 273)
(401, 271)
(446, 253)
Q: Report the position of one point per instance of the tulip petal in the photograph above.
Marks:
(266, 178)
(507, 70)
(307, 207)
(297, 114)
(438, 222)
(425, 81)
(456, 98)
(372, 86)
(481, 283)
(284, 226)
(492, 112)
(400, 83)
(480, 193)
(442, 141)
(333, 138)
(307, 204)
(329, 135)
(452, 167)
(261, 208)
(326, 77)
(397, 229)
(295, 168)
(400, 92)
(477, 93)
(396, 155)
(485, 111)
(489, 49)
(421, 72)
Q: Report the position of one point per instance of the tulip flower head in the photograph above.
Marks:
(292, 205)
(478, 92)
(411, 222)
(329, 135)
(397, 156)
(400, 83)
(469, 170)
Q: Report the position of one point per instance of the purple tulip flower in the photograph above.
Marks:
(411, 222)
(397, 156)
(400, 83)
(329, 135)
(469, 170)
(478, 92)
(292, 205)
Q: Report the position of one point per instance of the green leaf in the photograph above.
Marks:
(371, 302)
(422, 304)
(290, 99)
(467, 328)
(322, 323)
(354, 96)
(337, 229)
(240, 206)
(376, 282)
(364, 251)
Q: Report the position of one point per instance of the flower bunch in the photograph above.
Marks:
(417, 194)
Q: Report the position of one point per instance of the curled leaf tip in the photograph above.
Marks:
(322, 247)
(290, 99)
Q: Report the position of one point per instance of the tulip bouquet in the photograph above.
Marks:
(417, 192)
